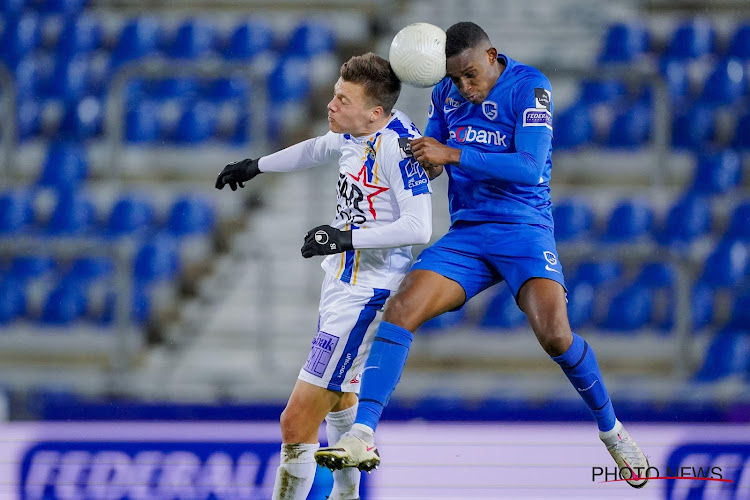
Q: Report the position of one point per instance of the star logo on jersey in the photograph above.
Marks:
(362, 178)
(489, 108)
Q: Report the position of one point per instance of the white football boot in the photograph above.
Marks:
(631, 461)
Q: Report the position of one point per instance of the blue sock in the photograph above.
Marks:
(382, 371)
(579, 364)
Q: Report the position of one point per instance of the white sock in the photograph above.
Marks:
(345, 481)
(364, 432)
(295, 475)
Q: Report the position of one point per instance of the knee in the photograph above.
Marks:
(396, 311)
(555, 342)
(290, 426)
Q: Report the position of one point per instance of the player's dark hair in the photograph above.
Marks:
(375, 74)
(462, 36)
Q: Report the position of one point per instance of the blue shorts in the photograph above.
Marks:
(477, 255)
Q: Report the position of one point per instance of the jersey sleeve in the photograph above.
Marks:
(306, 154)
(436, 127)
(533, 105)
(405, 175)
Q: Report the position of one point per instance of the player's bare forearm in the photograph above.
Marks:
(428, 150)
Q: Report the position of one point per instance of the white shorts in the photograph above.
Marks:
(347, 321)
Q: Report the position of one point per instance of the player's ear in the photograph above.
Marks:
(492, 53)
(376, 113)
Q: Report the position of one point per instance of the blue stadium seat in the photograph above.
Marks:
(89, 268)
(236, 128)
(228, 89)
(309, 39)
(692, 39)
(33, 74)
(156, 260)
(728, 354)
(657, 275)
(445, 320)
(16, 212)
(65, 304)
(12, 301)
(629, 221)
(594, 91)
(688, 219)
(66, 166)
(191, 215)
(82, 119)
(13, 8)
(702, 305)
(740, 318)
(182, 88)
(142, 125)
(290, 80)
(573, 219)
(248, 40)
(20, 36)
(131, 214)
(739, 47)
(141, 306)
(73, 215)
(139, 38)
(195, 38)
(630, 309)
(68, 7)
(631, 128)
(72, 78)
(624, 43)
(28, 267)
(694, 128)
(79, 35)
(676, 77)
(580, 303)
(502, 311)
(727, 265)
(726, 84)
(29, 114)
(574, 127)
(598, 272)
(739, 225)
(717, 173)
(197, 124)
(741, 138)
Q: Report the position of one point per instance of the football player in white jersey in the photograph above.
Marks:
(383, 208)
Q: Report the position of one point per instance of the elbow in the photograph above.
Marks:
(423, 233)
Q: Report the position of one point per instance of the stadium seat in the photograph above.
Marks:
(71, 79)
(156, 260)
(702, 305)
(16, 212)
(739, 225)
(630, 309)
(197, 124)
(657, 275)
(195, 38)
(688, 219)
(598, 272)
(676, 77)
(13, 8)
(20, 36)
(248, 40)
(624, 43)
(182, 88)
(87, 268)
(82, 34)
(580, 303)
(739, 47)
(574, 127)
(131, 214)
(139, 312)
(309, 39)
(191, 215)
(594, 91)
(728, 354)
(717, 173)
(740, 318)
(629, 221)
(573, 219)
(142, 125)
(726, 84)
(66, 166)
(502, 311)
(73, 215)
(29, 123)
(727, 265)
(140, 37)
(64, 305)
(692, 39)
(68, 7)
(33, 74)
(28, 267)
(632, 128)
(12, 301)
(228, 89)
(82, 119)
(290, 80)
(694, 128)
(741, 138)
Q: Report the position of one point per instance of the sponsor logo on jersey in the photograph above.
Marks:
(542, 99)
(404, 146)
(321, 352)
(470, 134)
(533, 117)
(414, 176)
(489, 108)
(450, 105)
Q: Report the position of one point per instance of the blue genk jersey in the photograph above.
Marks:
(519, 103)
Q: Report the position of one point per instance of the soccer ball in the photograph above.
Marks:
(417, 55)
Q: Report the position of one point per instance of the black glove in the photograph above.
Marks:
(326, 240)
(237, 173)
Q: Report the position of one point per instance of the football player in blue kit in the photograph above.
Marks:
(490, 128)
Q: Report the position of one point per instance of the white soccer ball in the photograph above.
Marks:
(417, 55)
